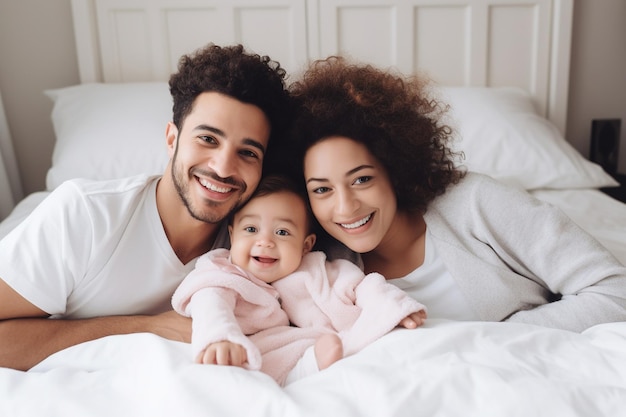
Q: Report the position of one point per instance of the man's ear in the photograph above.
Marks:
(171, 136)
(309, 242)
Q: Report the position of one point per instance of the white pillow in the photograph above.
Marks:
(503, 136)
(106, 131)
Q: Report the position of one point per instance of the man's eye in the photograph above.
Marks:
(208, 139)
(249, 154)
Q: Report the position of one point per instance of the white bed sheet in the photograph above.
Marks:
(443, 369)
(600, 215)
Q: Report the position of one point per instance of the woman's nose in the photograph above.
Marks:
(347, 203)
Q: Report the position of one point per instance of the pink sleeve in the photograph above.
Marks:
(383, 306)
(203, 275)
(213, 320)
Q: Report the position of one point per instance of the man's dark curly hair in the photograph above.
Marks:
(232, 71)
(390, 114)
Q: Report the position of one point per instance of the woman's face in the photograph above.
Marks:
(350, 192)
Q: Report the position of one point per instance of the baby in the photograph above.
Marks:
(244, 302)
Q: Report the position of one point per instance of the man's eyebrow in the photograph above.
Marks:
(247, 141)
(210, 129)
(255, 143)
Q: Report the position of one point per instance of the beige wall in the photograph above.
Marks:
(37, 52)
(598, 71)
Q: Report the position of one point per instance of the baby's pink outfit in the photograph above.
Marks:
(227, 303)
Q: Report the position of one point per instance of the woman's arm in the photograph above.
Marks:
(541, 244)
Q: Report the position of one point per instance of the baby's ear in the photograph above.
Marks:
(309, 242)
(230, 233)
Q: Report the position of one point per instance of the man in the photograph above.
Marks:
(104, 258)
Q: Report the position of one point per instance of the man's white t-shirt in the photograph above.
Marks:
(95, 249)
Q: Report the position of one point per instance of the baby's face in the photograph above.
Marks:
(269, 236)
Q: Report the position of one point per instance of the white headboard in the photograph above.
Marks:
(522, 43)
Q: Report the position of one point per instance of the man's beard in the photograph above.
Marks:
(208, 215)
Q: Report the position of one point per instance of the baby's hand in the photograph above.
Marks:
(413, 320)
(223, 353)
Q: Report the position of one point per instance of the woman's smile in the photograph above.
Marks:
(357, 223)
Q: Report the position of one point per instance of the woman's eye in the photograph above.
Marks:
(363, 179)
(320, 190)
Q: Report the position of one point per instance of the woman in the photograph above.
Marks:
(382, 180)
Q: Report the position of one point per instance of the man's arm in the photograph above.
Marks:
(27, 337)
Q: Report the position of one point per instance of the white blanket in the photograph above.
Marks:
(442, 369)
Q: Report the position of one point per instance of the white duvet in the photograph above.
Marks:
(442, 369)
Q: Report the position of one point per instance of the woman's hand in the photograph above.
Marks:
(413, 320)
(223, 353)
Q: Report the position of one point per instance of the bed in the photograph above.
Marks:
(509, 124)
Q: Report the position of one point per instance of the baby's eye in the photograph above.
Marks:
(250, 229)
(283, 232)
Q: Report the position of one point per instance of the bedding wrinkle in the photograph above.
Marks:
(444, 368)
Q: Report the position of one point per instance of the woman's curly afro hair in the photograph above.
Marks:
(390, 114)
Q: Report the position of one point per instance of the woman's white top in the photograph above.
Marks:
(432, 285)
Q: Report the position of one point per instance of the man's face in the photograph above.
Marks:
(218, 155)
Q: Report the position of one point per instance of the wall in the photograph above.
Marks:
(598, 71)
(37, 52)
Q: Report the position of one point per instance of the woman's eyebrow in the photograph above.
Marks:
(350, 172)
(360, 167)
(316, 179)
